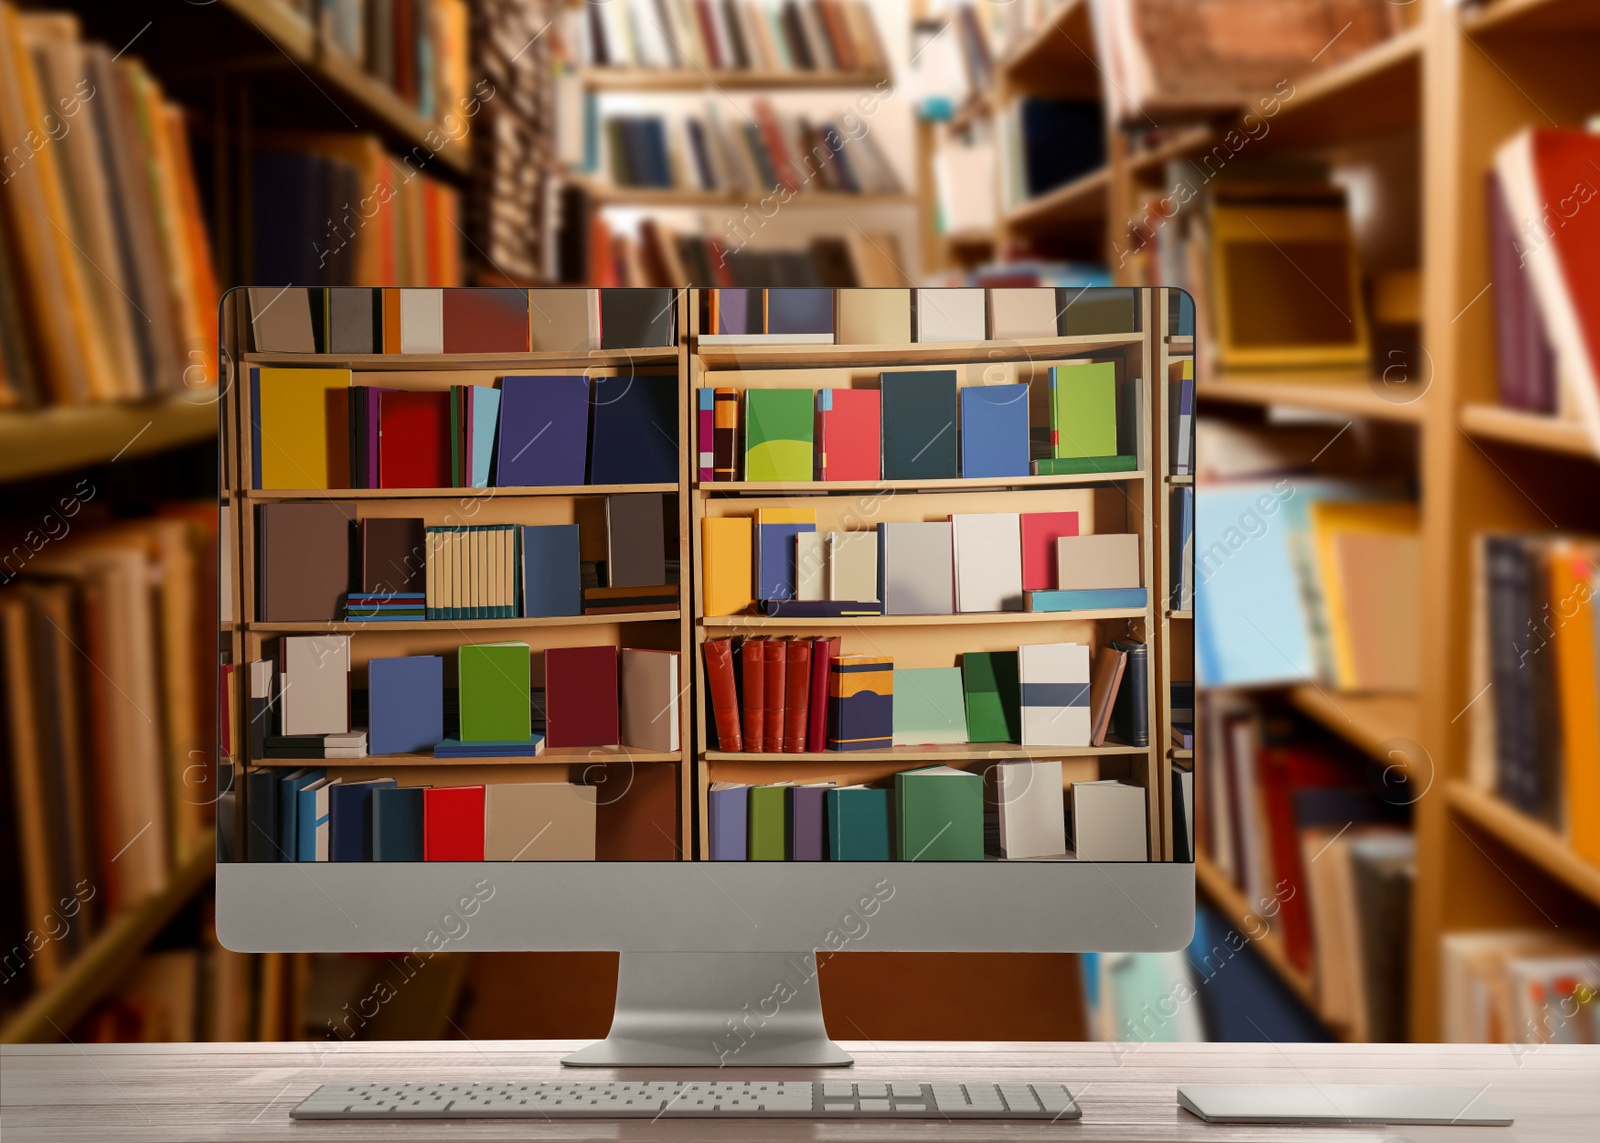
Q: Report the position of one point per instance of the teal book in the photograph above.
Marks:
(938, 815)
(778, 427)
(858, 824)
(494, 684)
(397, 823)
(928, 706)
(993, 696)
(1083, 409)
(769, 836)
(1088, 599)
(918, 413)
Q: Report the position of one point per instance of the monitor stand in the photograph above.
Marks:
(715, 1009)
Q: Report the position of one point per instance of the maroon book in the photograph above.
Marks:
(823, 652)
(752, 669)
(486, 321)
(580, 687)
(774, 692)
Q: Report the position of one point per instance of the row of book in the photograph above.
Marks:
(346, 320)
(1518, 986)
(301, 702)
(317, 563)
(106, 678)
(971, 562)
(766, 154)
(419, 49)
(1535, 731)
(318, 429)
(1015, 811)
(803, 695)
(922, 425)
(1181, 553)
(108, 289)
(731, 35)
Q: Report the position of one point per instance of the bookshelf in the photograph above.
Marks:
(40, 441)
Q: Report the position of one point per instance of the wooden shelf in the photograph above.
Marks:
(1374, 94)
(737, 200)
(577, 357)
(1063, 41)
(1180, 345)
(1528, 17)
(1152, 164)
(1181, 613)
(967, 238)
(1235, 907)
(35, 442)
(1366, 721)
(1352, 396)
(565, 756)
(953, 484)
(954, 752)
(922, 353)
(53, 1010)
(491, 493)
(1085, 199)
(649, 79)
(516, 623)
(969, 618)
(1537, 431)
(1534, 840)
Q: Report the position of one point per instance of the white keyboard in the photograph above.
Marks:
(750, 1099)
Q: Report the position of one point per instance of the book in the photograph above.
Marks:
(530, 747)
(452, 823)
(1180, 419)
(414, 440)
(848, 434)
(393, 561)
(1105, 680)
(928, 707)
(397, 823)
(992, 696)
(635, 429)
(860, 702)
(1182, 814)
(1106, 310)
(1108, 821)
(303, 560)
(1130, 715)
(752, 679)
(1040, 531)
(648, 691)
(1368, 568)
(262, 809)
(350, 819)
(494, 679)
(544, 432)
(485, 421)
(1054, 684)
(728, 808)
(355, 320)
(988, 561)
(539, 821)
(564, 320)
(705, 434)
(297, 446)
(1106, 560)
(725, 438)
(769, 834)
(938, 815)
(289, 787)
(581, 696)
(952, 315)
(802, 312)
(775, 694)
(824, 650)
(994, 430)
(280, 320)
(1525, 358)
(723, 695)
(805, 807)
(858, 823)
(1031, 809)
(873, 317)
(810, 567)
(1021, 313)
(316, 684)
(852, 566)
(726, 574)
(422, 321)
(1571, 570)
(777, 435)
(405, 703)
(638, 318)
(551, 571)
(919, 418)
(484, 320)
(636, 553)
(311, 825)
(1083, 410)
(820, 608)
(1077, 466)
(775, 553)
(916, 563)
(797, 692)
(1181, 550)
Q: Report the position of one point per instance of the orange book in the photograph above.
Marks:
(1572, 613)
(391, 321)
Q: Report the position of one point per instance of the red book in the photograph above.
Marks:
(772, 135)
(774, 693)
(823, 652)
(1040, 531)
(708, 32)
(724, 692)
(753, 670)
(847, 434)
(452, 823)
(797, 676)
(580, 690)
(414, 440)
(1285, 769)
(486, 321)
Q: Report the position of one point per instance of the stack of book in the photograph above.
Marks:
(658, 256)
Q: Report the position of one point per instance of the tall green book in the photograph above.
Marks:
(777, 434)
(1083, 409)
(493, 678)
(858, 824)
(769, 833)
(938, 813)
(927, 706)
(993, 696)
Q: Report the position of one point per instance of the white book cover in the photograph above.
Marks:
(917, 565)
(951, 315)
(810, 567)
(1032, 805)
(1108, 822)
(852, 566)
(988, 548)
(316, 689)
(1086, 563)
(648, 698)
(421, 321)
(1054, 680)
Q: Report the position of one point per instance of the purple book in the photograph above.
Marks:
(707, 431)
(808, 840)
(544, 432)
(1527, 363)
(729, 809)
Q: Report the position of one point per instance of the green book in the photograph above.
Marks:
(768, 830)
(1077, 465)
(493, 678)
(928, 707)
(777, 434)
(858, 824)
(994, 696)
(1083, 409)
(938, 814)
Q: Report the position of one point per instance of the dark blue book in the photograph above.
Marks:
(350, 819)
(289, 787)
(1062, 140)
(405, 704)
(994, 430)
(799, 311)
(552, 578)
(775, 558)
(729, 809)
(261, 814)
(919, 429)
(397, 823)
(1241, 999)
(635, 430)
(544, 432)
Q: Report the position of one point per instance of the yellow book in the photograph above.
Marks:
(296, 445)
(727, 573)
(1371, 625)
(1572, 616)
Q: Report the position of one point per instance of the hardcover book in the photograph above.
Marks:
(581, 696)
(1054, 681)
(848, 434)
(777, 435)
(544, 432)
(920, 433)
(938, 815)
(861, 703)
(994, 430)
(928, 706)
(494, 679)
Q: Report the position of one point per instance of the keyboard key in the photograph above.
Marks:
(872, 1089)
(906, 1090)
(838, 1089)
(1019, 1097)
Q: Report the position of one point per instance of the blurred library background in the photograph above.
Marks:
(1376, 205)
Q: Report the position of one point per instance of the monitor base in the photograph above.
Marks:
(715, 1010)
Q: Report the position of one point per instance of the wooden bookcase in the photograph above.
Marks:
(1126, 503)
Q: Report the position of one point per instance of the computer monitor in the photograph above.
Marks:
(717, 627)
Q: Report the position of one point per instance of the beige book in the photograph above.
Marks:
(1032, 809)
(852, 566)
(1108, 821)
(316, 689)
(951, 315)
(872, 317)
(538, 821)
(648, 698)
(1088, 562)
(811, 567)
(1018, 313)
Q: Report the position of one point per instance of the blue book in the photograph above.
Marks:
(350, 819)
(405, 704)
(289, 787)
(511, 748)
(544, 432)
(729, 809)
(635, 430)
(485, 416)
(1088, 599)
(552, 580)
(397, 823)
(776, 557)
(311, 819)
(994, 430)
(802, 310)
(1245, 1001)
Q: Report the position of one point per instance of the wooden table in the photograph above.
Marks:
(244, 1091)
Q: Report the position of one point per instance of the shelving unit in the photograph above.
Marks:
(40, 441)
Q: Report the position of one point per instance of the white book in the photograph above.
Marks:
(852, 563)
(988, 547)
(810, 567)
(1085, 563)
(964, 179)
(1032, 805)
(1054, 680)
(1108, 822)
(951, 315)
(421, 321)
(316, 686)
(917, 565)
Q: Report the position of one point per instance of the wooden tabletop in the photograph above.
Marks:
(230, 1092)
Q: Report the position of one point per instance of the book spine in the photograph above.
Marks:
(822, 653)
(775, 694)
(724, 695)
(706, 435)
(725, 448)
(752, 664)
(797, 675)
